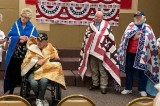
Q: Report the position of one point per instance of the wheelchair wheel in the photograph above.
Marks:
(25, 88)
(57, 92)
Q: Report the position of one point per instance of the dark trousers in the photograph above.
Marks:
(14, 73)
(130, 70)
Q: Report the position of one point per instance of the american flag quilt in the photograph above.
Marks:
(147, 54)
(100, 44)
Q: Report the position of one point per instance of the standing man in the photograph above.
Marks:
(98, 54)
(138, 53)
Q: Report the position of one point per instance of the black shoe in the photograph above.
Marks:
(103, 90)
(93, 87)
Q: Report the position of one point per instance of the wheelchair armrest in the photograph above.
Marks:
(54, 60)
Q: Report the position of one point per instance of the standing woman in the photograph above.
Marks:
(2, 40)
(21, 30)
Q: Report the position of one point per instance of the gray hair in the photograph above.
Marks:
(27, 11)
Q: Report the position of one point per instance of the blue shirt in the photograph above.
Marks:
(97, 25)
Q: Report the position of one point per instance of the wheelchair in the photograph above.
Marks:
(53, 87)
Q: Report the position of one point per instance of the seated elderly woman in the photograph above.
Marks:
(40, 68)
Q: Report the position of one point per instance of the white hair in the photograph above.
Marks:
(27, 12)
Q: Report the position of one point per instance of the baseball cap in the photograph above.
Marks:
(139, 13)
(42, 36)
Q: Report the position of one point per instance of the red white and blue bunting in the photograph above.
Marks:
(76, 12)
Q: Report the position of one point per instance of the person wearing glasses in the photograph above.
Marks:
(18, 35)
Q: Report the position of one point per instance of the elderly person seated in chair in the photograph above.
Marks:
(41, 64)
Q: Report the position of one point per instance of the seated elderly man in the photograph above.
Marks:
(41, 66)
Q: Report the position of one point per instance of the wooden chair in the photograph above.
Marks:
(142, 101)
(13, 100)
(76, 100)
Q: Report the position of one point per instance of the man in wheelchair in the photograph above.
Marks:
(41, 65)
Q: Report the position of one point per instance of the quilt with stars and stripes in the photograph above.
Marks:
(101, 44)
(147, 53)
(76, 12)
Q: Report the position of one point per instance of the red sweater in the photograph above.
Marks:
(132, 45)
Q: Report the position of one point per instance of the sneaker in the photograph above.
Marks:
(143, 93)
(45, 103)
(124, 92)
(39, 102)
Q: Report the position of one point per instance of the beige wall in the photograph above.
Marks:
(9, 11)
(151, 10)
(72, 36)
(64, 36)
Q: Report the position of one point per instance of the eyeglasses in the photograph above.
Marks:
(25, 17)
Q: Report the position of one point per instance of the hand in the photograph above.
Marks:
(41, 62)
(137, 35)
(2, 41)
(7, 41)
(24, 38)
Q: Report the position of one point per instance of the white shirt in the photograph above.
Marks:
(2, 36)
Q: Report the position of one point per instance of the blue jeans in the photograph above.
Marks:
(38, 86)
(130, 70)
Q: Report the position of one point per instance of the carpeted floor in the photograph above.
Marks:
(110, 99)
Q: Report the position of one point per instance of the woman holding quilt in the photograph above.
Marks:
(138, 53)
(21, 30)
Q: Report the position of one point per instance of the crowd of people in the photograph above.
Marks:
(29, 53)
